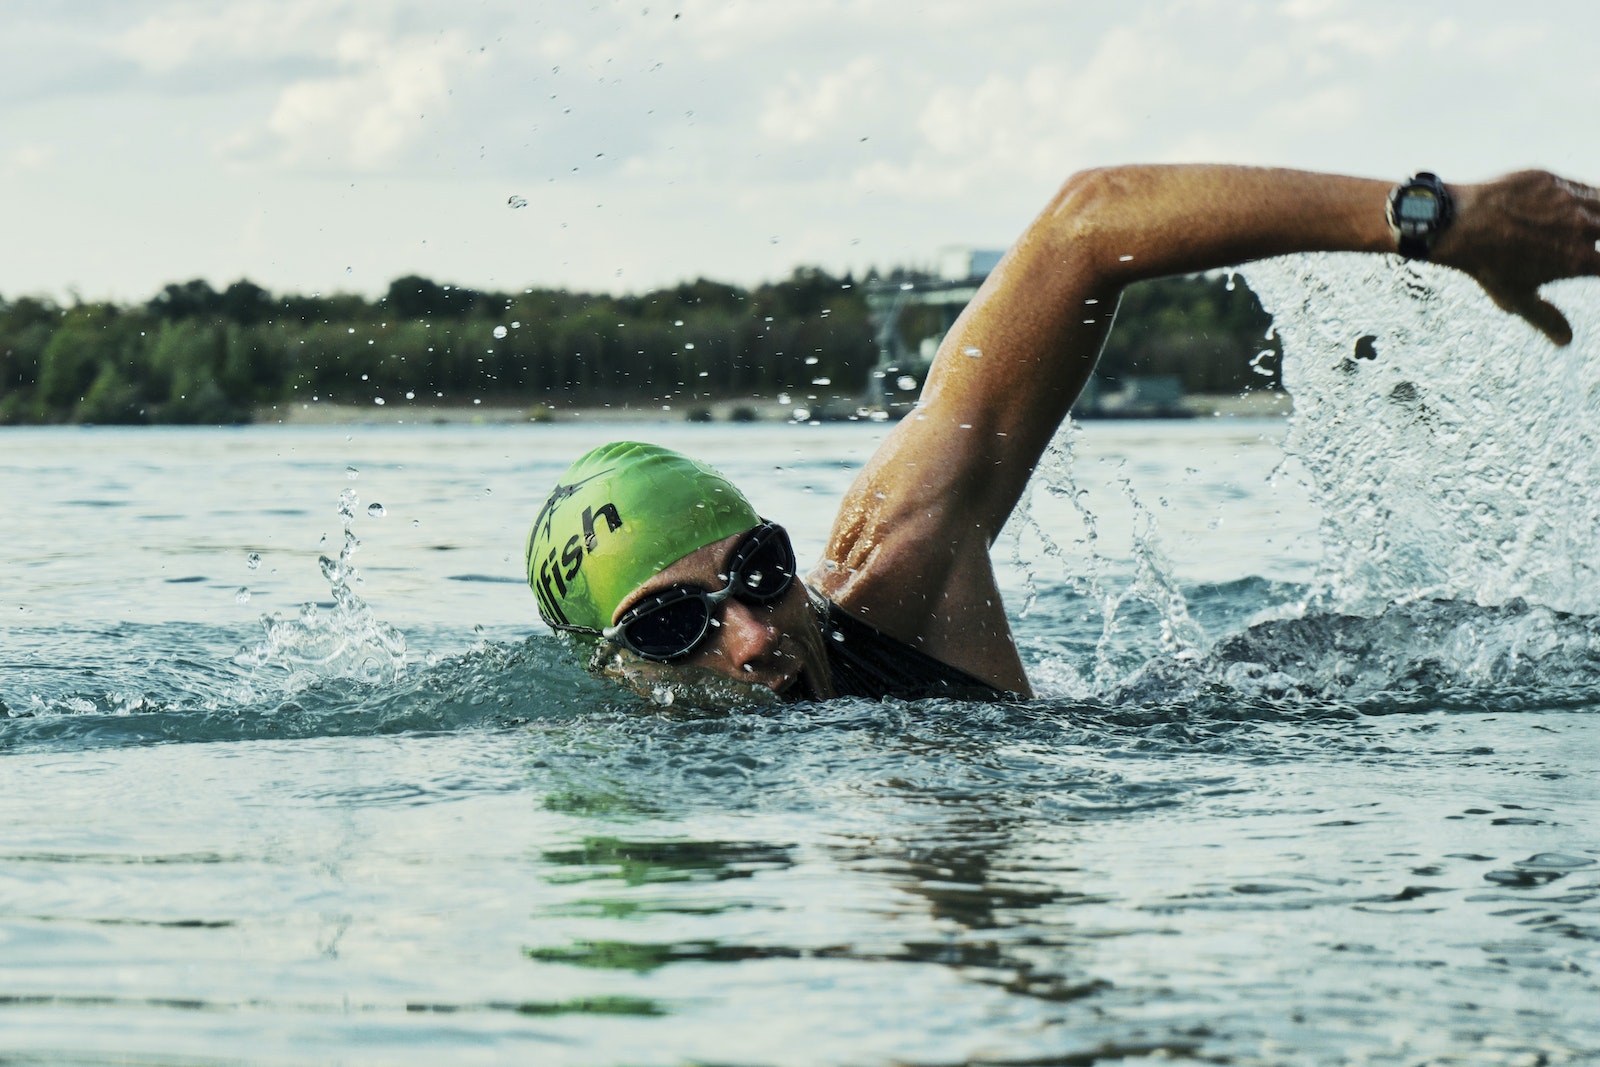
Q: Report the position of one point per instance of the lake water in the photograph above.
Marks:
(289, 771)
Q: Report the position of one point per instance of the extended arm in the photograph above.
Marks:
(909, 550)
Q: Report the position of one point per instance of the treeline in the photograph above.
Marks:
(193, 354)
(1208, 330)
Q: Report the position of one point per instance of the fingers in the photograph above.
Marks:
(1579, 190)
(1537, 311)
(1587, 199)
(1547, 319)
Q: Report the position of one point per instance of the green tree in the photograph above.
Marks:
(245, 303)
(190, 300)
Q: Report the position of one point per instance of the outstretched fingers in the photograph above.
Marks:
(1546, 318)
(1535, 309)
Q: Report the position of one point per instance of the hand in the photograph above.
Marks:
(1518, 232)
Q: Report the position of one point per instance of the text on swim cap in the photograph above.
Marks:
(553, 576)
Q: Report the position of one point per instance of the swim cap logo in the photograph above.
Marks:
(555, 574)
(560, 493)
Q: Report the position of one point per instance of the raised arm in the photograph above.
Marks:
(910, 548)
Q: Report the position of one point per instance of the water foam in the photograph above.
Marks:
(1450, 449)
(348, 643)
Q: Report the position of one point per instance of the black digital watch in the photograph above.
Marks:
(1420, 209)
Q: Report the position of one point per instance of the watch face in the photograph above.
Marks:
(1418, 206)
(1419, 211)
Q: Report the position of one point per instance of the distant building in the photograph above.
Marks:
(961, 264)
(902, 364)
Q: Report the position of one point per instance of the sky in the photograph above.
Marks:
(333, 145)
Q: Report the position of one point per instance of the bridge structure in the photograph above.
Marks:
(902, 365)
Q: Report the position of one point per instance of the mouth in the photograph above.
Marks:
(799, 687)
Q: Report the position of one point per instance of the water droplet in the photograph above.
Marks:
(242, 596)
(416, 523)
(516, 201)
(378, 400)
(973, 351)
(352, 473)
(822, 381)
(836, 635)
(253, 560)
(905, 383)
(499, 332)
(662, 695)
(410, 395)
(376, 511)
(1125, 259)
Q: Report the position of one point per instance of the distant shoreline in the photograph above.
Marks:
(1255, 404)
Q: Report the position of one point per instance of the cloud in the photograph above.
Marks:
(807, 106)
(673, 139)
(29, 157)
(371, 114)
(339, 86)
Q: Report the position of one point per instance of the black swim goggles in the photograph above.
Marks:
(673, 623)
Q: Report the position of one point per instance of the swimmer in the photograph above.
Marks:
(666, 564)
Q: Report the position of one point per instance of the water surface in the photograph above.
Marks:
(288, 778)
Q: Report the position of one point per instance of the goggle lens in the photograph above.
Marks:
(672, 623)
(667, 630)
(762, 566)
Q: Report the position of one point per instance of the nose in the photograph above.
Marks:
(748, 635)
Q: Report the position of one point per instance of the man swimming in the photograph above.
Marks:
(667, 564)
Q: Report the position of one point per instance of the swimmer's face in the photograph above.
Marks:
(776, 646)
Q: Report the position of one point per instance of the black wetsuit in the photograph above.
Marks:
(865, 662)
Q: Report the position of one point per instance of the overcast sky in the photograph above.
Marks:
(321, 145)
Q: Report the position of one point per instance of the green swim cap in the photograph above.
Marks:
(617, 517)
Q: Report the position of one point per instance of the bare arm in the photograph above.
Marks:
(910, 547)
